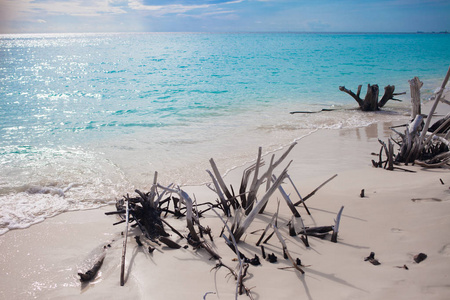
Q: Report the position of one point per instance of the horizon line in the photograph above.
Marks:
(233, 32)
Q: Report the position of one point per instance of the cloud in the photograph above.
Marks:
(185, 2)
(118, 3)
(163, 9)
(28, 8)
(222, 15)
(193, 8)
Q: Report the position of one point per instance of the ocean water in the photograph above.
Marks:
(87, 118)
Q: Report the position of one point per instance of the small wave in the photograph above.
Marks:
(123, 112)
(147, 125)
(115, 71)
(38, 183)
(49, 190)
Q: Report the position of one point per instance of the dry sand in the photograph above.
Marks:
(42, 261)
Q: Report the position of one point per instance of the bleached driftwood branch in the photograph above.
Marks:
(287, 199)
(285, 250)
(239, 277)
(241, 228)
(336, 226)
(124, 249)
(417, 144)
(415, 85)
(315, 190)
(298, 194)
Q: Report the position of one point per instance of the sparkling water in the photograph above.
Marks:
(87, 118)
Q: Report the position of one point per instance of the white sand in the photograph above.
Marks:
(42, 261)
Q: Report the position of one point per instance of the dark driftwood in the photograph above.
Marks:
(315, 190)
(311, 112)
(304, 237)
(169, 243)
(371, 258)
(420, 257)
(319, 232)
(441, 126)
(92, 272)
(370, 102)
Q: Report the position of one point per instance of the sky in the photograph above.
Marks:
(80, 16)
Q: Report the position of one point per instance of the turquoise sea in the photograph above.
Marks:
(86, 118)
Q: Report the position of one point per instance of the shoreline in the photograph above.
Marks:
(42, 260)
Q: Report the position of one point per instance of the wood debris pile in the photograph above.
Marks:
(420, 143)
(150, 213)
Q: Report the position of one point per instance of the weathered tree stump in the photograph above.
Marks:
(415, 84)
(370, 102)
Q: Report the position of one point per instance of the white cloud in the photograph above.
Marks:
(118, 2)
(164, 9)
(26, 8)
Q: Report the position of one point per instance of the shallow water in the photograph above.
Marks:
(102, 112)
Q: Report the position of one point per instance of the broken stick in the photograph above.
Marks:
(336, 226)
(285, 250)
(124, 250)
(313, 192)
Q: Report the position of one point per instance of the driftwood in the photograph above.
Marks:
(240, 287)
(319, 232)
(274, 217)
(304, 237)
(315, 190)
(256, 183)
(336, 226)
(420, 143)
(298, 194)
(94, 263)
(415, 85)
(248, 194)
(311, 112)
(145, 212)
(193, 237)
(169, 243)
(285, 250)
(420, 257)
(241, 228)
(124, 250)
(371, 258)
(370, 102)
(91, 273)
(287, 199)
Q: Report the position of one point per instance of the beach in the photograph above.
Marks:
(401, 215)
